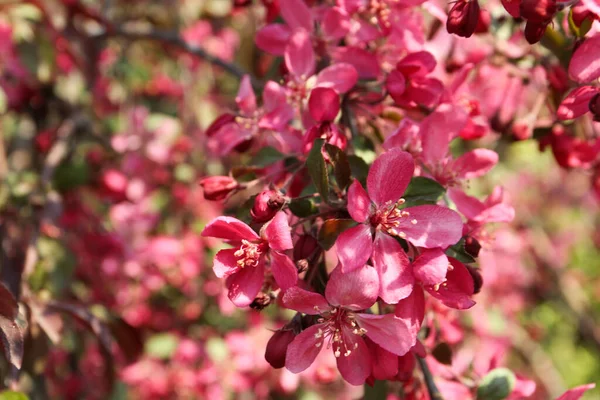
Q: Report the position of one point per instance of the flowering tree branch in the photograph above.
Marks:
(432, 389)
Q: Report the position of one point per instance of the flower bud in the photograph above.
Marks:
(220, 122)
(477, 278)
(539, 11)
(595, 107)
(472, 246)
(266, 205)
(218, 187)
(534, 31)
(277, 347)
(463, 18)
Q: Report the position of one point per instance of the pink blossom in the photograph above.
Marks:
(244, 265)
(585, 65)
(343, 326)
(576, 393)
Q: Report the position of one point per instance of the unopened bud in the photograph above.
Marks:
(534, 31)
(305, 247)
(218, 187)
(463, 18)
(477, 278)
(472, 246)
(277, 347)
(539, 11)
(266, 205)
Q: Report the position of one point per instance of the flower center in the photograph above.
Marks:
(335, 323)
(388, 218)
(249, 253)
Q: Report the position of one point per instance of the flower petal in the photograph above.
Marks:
(245, 284)
(245, 99)
(393, 268)
(336, 23)
(475, 163)
(576, 103)
(389, 176)
(577, 392)
(430, 266)
(323, 104)
(356, 290)
(359, 203)
(299, 55)
(283, 269)
(225, 263)
(388, 331)
(304, 349)
(456, 292)
(340, 77)
(277, 233)
(297, 14)
(468, 206)
(436, 226)
(585, 64)
(355, 367)
(273, 38)
(303, 301)
(229, 228)
(384, 365)
(354, 247)
(412, 310)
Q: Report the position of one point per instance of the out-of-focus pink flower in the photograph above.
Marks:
(409, 85)
(244, 265)
(343, 326)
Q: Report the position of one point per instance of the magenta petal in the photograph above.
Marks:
(456, 292)
(229, 228)
(277, 233)
(468, 206)
(245, 99)
(388, 331)
(576, 103)
(283, 269)
(585, 64)
(245, 284)
(435, 227)
(384, 365)
(475, 163)
(430, 266)
(356, 290)
(424, 91)
(340, 77)
(359, 203)
(303, 301)
(412, 310)
(497, 213)
(419, 63)
(355, 367)
(273, 38)
(323, 104)
(225, 263)
(365, 62)
(299, 55)
(273, 95)
(577, 392)
(438, 129)
(304, 349)
(336, 23)
(396, 85)
(393, 268)
(297, 14)
(389, 176)
(354, 247)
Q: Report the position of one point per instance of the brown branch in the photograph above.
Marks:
(434, 392)
(175, 39)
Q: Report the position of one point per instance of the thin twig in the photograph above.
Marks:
(175, 39)
(434, 393)
(348, 118)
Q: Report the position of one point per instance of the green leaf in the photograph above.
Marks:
(359, 168)
(315, 163)
(331, 229)
(579, 31)
(458, 251)
(69, 176)
(378, 391)
(496, 385)
(302, 207)
(266, 156)
(341, 166)
(162, 345)
(10, 395)
(422, 191)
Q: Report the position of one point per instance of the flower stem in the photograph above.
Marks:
(434, 393)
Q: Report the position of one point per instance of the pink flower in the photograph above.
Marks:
(578, 102)
(324, 106)
(244, 265)
(381, 220)
(343, 326)
(585, 64)
(576, 393)
(409, 85)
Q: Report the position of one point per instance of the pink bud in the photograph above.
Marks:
(114, 182)
(539, 11)
(534, 31)
(463, 18)
(266, 205)
(218, 187)
(277, 348)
